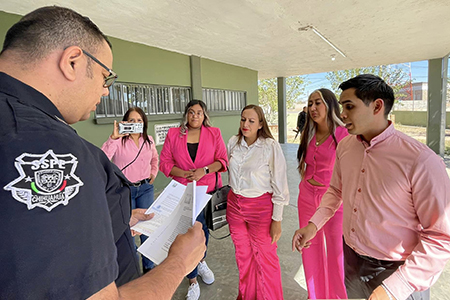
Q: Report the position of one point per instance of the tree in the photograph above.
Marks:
(395, 76)
(268, 95)
(448, 89)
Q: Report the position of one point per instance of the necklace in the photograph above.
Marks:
(322, 139)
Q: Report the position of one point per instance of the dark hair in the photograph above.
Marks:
(368, 88)
(264, 131)
(46, 29)
(144, 118)
(185, 122)
(333, 121)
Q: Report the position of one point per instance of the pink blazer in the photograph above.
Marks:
(211, 148)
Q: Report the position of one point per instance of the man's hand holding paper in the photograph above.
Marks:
(175, 212)
(190, 247)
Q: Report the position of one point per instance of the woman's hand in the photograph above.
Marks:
(115, 134)
(151, 179)
(275, 231)
(196, 174)
(187, 174)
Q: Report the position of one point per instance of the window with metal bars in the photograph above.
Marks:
(224, 100)
(161, 100)
(152, 99)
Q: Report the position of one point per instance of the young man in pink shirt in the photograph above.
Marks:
(396, 201)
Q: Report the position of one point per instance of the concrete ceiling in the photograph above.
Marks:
(264, 35)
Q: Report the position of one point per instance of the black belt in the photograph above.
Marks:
(139, 183)
(378, 262)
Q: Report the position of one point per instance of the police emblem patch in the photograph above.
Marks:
(46, 180)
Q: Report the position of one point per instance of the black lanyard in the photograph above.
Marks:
(134, 158)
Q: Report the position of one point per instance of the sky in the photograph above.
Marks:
(419, 73)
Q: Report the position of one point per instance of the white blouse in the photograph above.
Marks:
(258, 169)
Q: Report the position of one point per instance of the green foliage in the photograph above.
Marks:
(268, 94)
(448, 89)
(395, 76)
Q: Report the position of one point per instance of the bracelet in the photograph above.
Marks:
(387, 292)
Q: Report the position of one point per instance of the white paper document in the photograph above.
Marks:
(175, 210)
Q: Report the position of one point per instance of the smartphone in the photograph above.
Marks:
(125, 128)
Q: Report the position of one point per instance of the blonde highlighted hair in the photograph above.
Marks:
(333, 121)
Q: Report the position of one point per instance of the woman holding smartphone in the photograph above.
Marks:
(136, 155)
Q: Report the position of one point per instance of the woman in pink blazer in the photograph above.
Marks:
(195, 151)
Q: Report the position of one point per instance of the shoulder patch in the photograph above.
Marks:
(45, 180)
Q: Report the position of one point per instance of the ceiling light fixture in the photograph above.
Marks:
(317, 32)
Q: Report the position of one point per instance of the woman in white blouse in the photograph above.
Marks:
(259, 190)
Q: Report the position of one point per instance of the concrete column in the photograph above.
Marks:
(282, 112)
(437, 94)
(196, 78)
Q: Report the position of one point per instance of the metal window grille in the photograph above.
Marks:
(224, 100)
(153, 99)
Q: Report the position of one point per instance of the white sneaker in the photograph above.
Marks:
(205, 272)
(193, 292)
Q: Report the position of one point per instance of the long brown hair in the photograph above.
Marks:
(144, 119)
(264, 131)
(333, 121)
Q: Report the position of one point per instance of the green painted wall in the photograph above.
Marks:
(6, 21)
(415, 118)
(224, 76)
(139, 63)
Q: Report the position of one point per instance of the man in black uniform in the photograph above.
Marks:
(301, 119)
(64, 221)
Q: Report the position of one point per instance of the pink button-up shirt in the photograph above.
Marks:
(320, 159)
(122, 155)
(396, 195)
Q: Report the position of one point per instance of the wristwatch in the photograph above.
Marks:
(206, 169)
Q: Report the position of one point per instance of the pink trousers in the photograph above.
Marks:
(323, 261)
(249, 220)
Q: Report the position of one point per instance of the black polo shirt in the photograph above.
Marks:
(63, 205)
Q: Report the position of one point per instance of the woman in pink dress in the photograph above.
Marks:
(323, 261)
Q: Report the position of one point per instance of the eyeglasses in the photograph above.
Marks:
(111, 78)
(193, 113)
